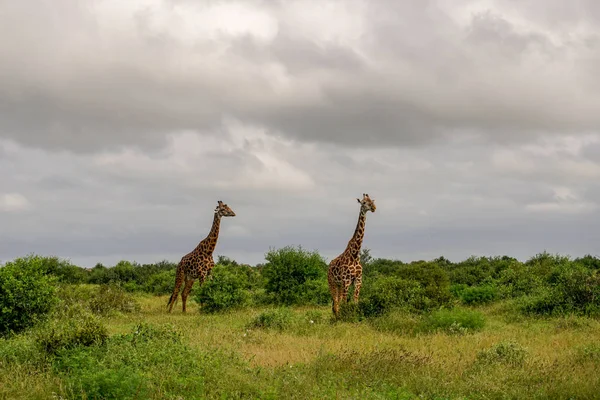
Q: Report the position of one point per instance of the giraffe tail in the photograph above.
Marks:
(171, 299)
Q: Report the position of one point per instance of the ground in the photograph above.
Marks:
(509, 357)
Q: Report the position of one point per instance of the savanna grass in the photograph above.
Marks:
(280, 353)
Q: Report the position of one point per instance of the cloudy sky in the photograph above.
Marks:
(474, 124)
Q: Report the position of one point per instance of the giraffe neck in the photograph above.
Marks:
(353, 248)
(210, 242)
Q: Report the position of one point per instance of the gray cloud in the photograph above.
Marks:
(474, 127)
(89, 78)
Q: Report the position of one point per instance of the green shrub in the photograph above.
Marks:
(509, 353)
(123, 272)
(455, 321)
(27, 293)
(544, 301)
(569, 289)
(457, 288)
(517, 280)
(86, 376)
(278, 318)
(579, 287)
(381, 266)
(111, 298)
(387, 293)
(349, 312)
(69, 273)
(476, 271)
(74, 300)
(160, 283)
(225, 290)
(315, 292)
(131, 287)
(150, 361)
(432, 278)
(475, 295)
(542, 264)
(55, 335)
(290, 272)
(588, 261)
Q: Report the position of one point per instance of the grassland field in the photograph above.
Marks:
(303, 354)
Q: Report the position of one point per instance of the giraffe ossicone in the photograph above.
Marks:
(345, 270)
(197, 264)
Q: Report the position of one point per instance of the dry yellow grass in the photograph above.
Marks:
(549, 342)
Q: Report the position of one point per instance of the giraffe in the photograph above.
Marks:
(345, 269)
(198, 263)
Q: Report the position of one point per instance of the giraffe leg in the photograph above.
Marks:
(344, 296)
(179, 275)
(357, 285)
(186, 291)
(335, 294)
(333, 289)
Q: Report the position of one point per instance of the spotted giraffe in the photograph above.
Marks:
(345, 269)
(199, 262)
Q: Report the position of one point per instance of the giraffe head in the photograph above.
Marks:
(223, 210)
(367, 204)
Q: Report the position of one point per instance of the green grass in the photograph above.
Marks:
(473, 353)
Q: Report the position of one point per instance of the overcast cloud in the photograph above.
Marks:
(472, 123)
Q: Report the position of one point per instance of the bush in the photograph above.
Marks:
(517, 280)
(387, 293)
(542, 264)
(161, 283)
(86, 376)
(349, 312)
(65, 271)
(315, 292)
(477, 270)
(569, 289)
(150, 361)
(475, 295)
(74, 299)
(59, 334)
(588, 261)
(279, 319)
(111, 298)
(381, 266)
(432, 278)
(27, 293)
(455, 321)
(225, 290)
(290, 272)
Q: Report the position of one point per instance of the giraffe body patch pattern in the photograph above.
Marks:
(345, 270)
(197, 264)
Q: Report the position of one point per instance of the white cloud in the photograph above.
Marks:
(14, 202)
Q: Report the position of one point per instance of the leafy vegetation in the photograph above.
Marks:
(485, 327)
(27, 293)
(291, 276)
(226, 289)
